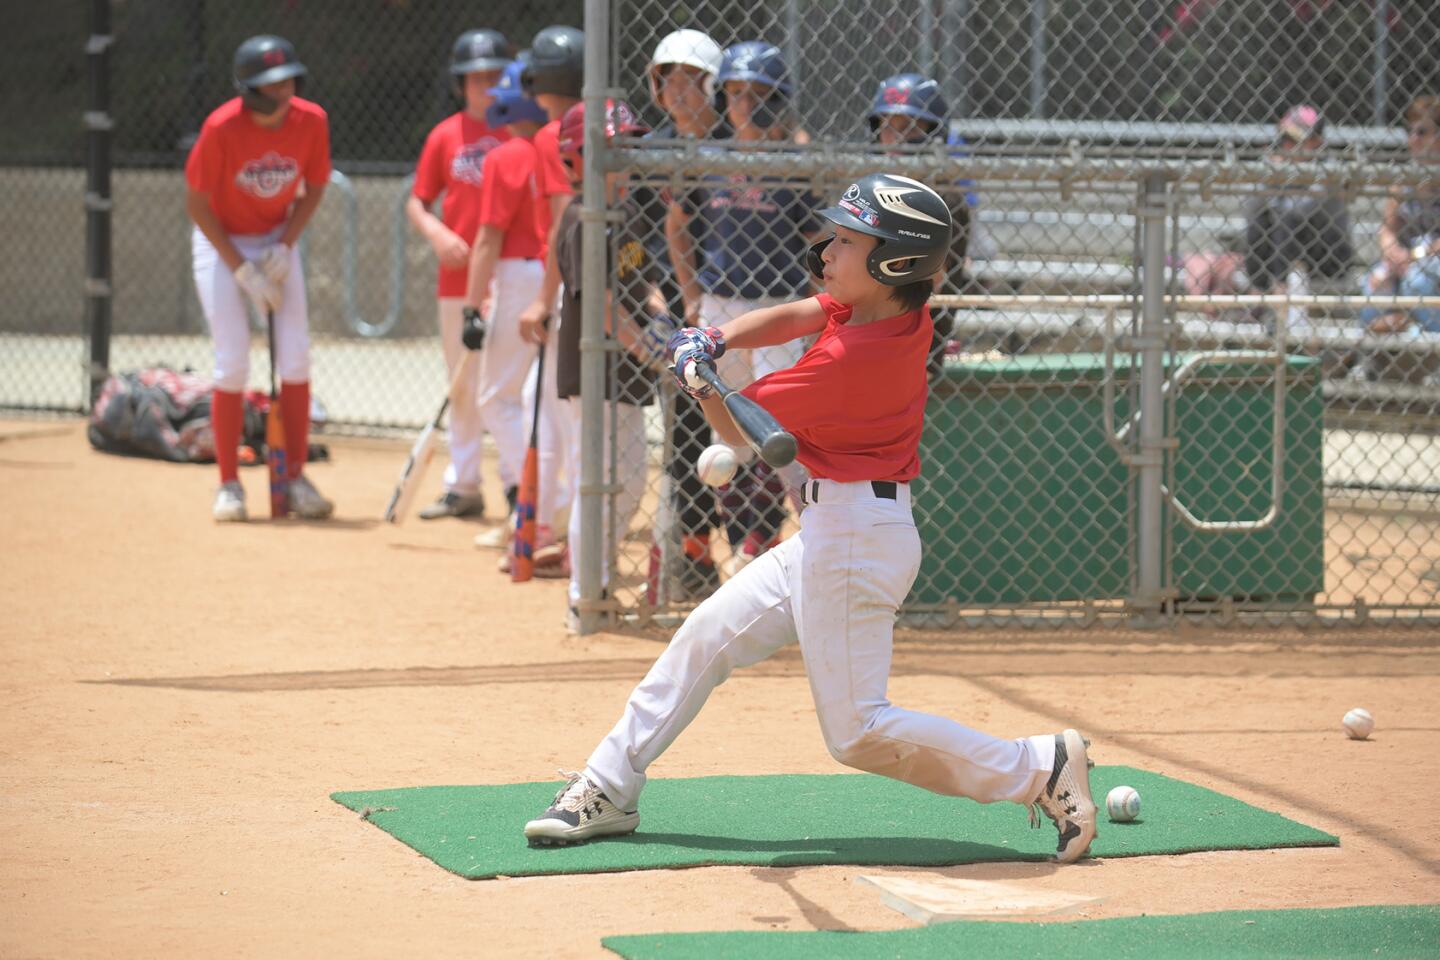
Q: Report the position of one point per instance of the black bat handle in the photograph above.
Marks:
(775, 446)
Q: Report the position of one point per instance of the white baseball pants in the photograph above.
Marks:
(225, 309)
(465, 430)
(505, 363)
(559, 477)
(835, 588)
(629, 458)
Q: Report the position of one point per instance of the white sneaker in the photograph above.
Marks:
(579, 812)
(306, 502)
(1066, 799)
(230, 503)
(497, 537)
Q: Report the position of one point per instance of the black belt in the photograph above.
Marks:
(883, 489)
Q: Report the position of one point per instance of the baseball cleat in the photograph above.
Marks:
(580, 812)
(230, 503)
(498, 536)
(455, 505)
(1066, 799)
(306, 502)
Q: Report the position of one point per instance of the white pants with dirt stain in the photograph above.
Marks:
(835, 587)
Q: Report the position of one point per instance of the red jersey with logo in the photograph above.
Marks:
(551, 177)
(252, 172)
(510, 200)
(856, 400)
(452, 162)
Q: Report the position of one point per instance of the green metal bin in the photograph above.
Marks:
(1021, 500)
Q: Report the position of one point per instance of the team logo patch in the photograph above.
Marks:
(268, 176)
(468, 164)
(897, 95)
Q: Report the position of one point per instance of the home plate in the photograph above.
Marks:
(937, 899)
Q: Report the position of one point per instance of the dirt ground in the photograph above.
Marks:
(180, 698)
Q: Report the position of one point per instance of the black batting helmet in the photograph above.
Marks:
(910, 220)
(261, 60)
(478, 51)
(557, 62)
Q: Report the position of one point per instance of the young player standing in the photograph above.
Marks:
(637, 317)
(505, 272)
(452, 163)
(243, 180)
(856, 404)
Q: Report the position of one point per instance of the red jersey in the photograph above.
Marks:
(252, 172)
(452, 162)
(509, 199)
(551, 176)
(856, 400)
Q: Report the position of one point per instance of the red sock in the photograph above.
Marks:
(226, 417)
(295, 408)
(697, 547)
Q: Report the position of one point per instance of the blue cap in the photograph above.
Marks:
(511, 104)
(755, 61)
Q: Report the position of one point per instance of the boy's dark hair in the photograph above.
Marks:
(913, 295)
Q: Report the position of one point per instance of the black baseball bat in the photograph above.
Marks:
(775, 446)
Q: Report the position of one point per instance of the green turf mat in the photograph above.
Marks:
(1348, 932)
(806, 819)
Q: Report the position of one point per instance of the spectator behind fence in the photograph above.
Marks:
(1295, 235)
(1410, 235)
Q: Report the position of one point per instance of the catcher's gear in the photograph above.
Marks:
(511, 104)
(910, 220)
(620, 121)
(755, 61)
(909, 95)
(691, 48)
(263, 60)
(557, 62)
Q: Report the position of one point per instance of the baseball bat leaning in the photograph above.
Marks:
(275, 436)
(423, 451)
(522, 559)
(775, 446)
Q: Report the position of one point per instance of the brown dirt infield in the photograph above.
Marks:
(180, 698)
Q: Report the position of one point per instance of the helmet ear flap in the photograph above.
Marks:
(813, 257)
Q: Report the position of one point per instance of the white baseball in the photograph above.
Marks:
(717, 465)
(1123, 804)
(1358, 723)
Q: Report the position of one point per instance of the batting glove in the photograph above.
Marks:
(708, 340)
(686, 361)
(266, 296)
(275, 262)
(472, 331)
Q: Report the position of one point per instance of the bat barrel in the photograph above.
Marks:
(778, 450)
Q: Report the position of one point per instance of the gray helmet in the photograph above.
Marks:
(911, 221)
(476, 51)
(557, 62)
(262, 60)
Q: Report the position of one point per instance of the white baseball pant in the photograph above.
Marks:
(465, 430)
(559, 478)
(505, 363)
(225, 309)
(835, 588)
(629, 458)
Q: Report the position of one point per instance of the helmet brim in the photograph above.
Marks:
(482, 65)
(905, 110)
(284, 71)
(844, 218)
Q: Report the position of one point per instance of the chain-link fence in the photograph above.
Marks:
(1189, 363)
(1100, 441)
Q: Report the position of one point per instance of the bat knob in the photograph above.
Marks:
(778, 450)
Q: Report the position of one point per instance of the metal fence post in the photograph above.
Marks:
(594, 278)
(1150, 345)
(98, 203)
(1380, 81)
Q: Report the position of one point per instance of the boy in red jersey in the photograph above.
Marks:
(243, 179)
(855, 402)
(452, 163)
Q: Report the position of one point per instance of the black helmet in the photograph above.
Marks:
(261, 60)
(557, 62)
(910, 220)
(476, 51)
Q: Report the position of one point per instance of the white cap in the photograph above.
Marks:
(692, 48)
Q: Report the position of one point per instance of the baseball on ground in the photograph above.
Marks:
(717, 465)
(1123, 804)
(1358, 723)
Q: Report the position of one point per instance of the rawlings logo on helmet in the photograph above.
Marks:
(851, 192)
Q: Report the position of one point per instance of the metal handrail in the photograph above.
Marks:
(1116, 439)
(350, 259)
